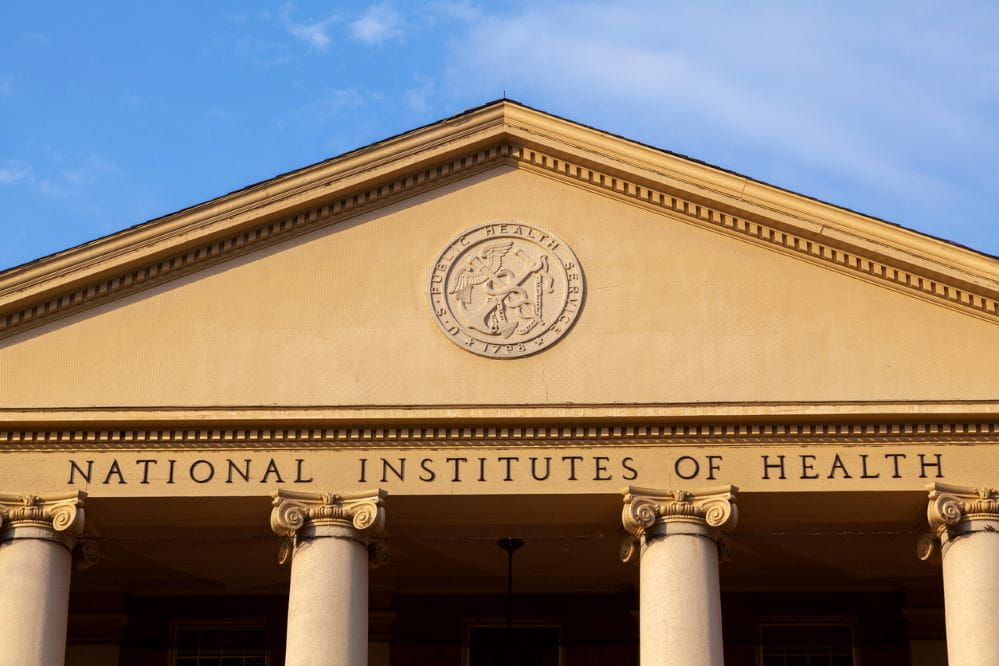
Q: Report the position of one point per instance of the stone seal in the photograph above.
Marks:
(506, 290)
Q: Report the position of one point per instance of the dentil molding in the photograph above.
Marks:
(253, 436)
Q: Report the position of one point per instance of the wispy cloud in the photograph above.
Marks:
(254, 50)
(12, 171)
(92, 168)
(419, 99)
(875, 98)
(379, 24)
(334, 102)
(462, 10)
(38, 38)
(314, 33)
(6, 84)
(57, 179)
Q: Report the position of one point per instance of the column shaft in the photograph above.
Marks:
(971, 599)
(680, 602)
(34, 600)
(328, 542)
(680, 621)
(328, 601)
(965, 521)
(37, 534)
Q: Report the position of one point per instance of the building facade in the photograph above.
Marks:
(502, 390)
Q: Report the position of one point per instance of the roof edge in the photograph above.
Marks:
(25, 288)
(346, 165)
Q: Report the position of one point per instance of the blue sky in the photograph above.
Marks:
(112, 113)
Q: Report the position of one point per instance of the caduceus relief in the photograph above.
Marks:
(496, 299)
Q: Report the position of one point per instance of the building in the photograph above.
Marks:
(502, 325)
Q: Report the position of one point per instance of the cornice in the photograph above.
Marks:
(693, 177)
(393, 156)
(941, 280)
(104, 273)
(856, 411)
(504, 133)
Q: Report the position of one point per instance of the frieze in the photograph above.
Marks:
(590, 464)
(479, 469)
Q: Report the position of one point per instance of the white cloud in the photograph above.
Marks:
(12, 171)
(62, 181)
(314, 33)
(53, 190)
(334, 102)
(380, 23)
(462, 10)
(6, 84)
(89, 171)
(419, 99)
(38, 38)
(877, 97)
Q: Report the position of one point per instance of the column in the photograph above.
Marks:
(37, 535)
(965, 524)
(677, 533)
(329, 539)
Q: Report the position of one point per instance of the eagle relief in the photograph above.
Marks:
(506, 290)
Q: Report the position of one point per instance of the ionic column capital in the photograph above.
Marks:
(56, 517)
(300, 515)
(956, 511)
(710, 512)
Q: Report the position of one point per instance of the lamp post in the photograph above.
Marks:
(510, 545)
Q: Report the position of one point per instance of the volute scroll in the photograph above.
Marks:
(62, 514)
(358, 516)
(711, 510)
(954, 512)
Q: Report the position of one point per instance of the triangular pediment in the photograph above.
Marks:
(311, 290)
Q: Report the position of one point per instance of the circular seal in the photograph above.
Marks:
(506, 290)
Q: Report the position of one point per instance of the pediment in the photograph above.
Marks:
(311, 290)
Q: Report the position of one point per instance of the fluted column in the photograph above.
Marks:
(329, 544)
(37, 535)
(965, 523)
(676, 535)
